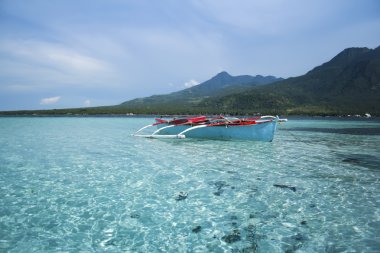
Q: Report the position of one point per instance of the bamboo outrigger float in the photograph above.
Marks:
(260, 128)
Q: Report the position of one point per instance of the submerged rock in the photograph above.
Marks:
(250, 249)
(218, 193)
(197, 229)
(363, 160)
(251, 233)
(135, 215)
(298, 237)
(283, 186)
(234, 217)
(111, 242)
(181, 196)
(294, 242)
(351, 160)
(233, 237)
(219, 186)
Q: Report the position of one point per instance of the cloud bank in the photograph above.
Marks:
(49, 101)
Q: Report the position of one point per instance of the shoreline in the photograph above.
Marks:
(110, 115)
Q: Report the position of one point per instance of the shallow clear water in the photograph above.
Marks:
(87, 185)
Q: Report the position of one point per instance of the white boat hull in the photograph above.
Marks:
(258, 132)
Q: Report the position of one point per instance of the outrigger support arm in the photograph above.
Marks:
(160, 136)
(155, 135)
(155, 124)
(162, 128)
(136, 133)
(170, 136)
(181, 134)
(274, 118)
(268, 117)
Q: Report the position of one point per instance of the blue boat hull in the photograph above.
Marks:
(257, 132)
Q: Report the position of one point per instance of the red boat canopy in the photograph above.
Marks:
(181, 120)
(188, 120)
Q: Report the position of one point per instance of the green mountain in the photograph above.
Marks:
(347, 84)
(186, 100)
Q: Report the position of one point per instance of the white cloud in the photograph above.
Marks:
(48, 101)
(191, 83)
(87, 102)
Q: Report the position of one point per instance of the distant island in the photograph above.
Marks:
(347, 84)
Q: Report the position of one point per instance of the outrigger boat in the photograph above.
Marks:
(260, 128)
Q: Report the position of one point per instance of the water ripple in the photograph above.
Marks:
(94, 188)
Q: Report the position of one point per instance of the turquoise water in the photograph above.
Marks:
(86, 185)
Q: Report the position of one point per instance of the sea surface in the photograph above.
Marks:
(84, 184)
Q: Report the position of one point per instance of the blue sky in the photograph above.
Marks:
(66, 53)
